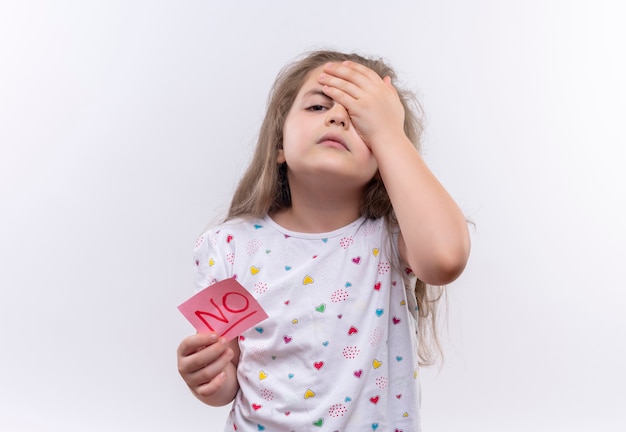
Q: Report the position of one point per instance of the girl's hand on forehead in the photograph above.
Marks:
(371, 101)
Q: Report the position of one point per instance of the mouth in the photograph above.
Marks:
(333, 141)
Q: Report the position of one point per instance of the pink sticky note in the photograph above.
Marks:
(225, 308)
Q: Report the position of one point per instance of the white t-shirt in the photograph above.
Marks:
(339, 349)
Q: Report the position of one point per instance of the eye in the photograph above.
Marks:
(316, 108)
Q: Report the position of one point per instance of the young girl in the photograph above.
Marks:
(337, 228)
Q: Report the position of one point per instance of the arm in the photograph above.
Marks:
(434, 239)
(208, 365)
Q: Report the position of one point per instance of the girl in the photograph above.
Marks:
(337, 228)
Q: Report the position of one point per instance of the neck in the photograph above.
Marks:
(316, 210)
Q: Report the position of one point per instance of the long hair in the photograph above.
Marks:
(264, 188)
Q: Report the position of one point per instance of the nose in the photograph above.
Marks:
(338, 116)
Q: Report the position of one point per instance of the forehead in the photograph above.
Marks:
(310, 81)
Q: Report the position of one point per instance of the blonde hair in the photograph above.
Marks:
(264, 188)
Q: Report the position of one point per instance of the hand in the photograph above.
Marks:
(202, 362)
(371, 101)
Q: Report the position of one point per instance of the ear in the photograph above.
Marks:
(281, 156)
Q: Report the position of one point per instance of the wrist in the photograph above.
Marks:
(386, 141)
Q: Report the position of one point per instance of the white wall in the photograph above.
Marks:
(125, 124)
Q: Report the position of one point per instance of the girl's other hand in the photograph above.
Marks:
(202, 362)
(372, 102)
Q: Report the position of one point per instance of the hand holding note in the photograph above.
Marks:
(225, 308)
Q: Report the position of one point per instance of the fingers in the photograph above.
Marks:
(211, 387)
(209, 378)
(202, 359)
(353, 79)
(338, 88)
(373, 104)
(352, 72)
(348, 82)
(196, 342)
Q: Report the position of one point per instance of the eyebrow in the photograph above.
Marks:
(316, 92)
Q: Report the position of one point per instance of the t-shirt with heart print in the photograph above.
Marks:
(338, 351)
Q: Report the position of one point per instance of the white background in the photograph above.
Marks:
(124, 126)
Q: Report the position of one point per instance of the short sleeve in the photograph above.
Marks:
(213, 258)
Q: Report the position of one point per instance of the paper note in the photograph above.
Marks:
(225, 308)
